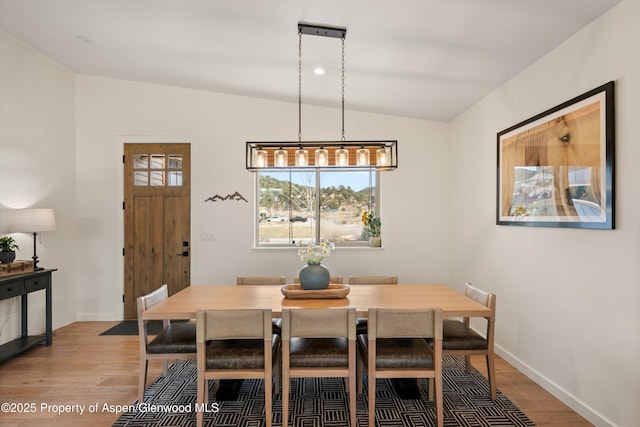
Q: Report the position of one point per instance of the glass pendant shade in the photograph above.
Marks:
(382, 158)
(262, 159)
(280, 159)
(302, 157)
(322, 157)
(362, 157)
(342, 157)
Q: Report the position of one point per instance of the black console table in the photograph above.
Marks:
(21, 285)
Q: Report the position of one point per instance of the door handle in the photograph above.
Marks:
(183, 253)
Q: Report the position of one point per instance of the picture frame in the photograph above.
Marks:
(556, 169)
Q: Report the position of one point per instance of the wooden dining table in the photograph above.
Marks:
(184, 304)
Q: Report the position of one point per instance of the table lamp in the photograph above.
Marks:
(33, 221)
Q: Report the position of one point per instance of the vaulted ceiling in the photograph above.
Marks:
(428, 59)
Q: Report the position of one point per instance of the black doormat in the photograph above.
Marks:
(170, 401)
(130, 327)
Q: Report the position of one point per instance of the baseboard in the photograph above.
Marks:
(558, 392)
(98, 317)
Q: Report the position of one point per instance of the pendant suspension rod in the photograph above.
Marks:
(343, 87)
(299, 85)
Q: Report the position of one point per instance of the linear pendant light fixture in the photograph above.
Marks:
(364, 155)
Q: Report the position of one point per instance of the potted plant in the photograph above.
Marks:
(7, 249)
(373, 224)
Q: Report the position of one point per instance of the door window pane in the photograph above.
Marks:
(175, 161)
(157, 161)
(141, 179)
(175, 178)
(157, 178)
(140, 161)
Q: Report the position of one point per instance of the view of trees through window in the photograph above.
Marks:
(300, 206)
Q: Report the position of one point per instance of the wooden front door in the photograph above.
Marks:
(157, 190)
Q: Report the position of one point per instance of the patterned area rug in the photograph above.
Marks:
(171, 401)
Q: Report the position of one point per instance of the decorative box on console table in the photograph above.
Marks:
(16, 267)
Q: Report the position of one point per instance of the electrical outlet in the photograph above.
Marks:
(207, 237)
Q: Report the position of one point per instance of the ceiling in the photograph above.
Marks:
(427, 59)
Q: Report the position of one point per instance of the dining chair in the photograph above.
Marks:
(236, 344)
(319, 343)
(261, 280)
(459, 339)
(267, 281)
(396, 347)
(335, 280)
(373, 280)
(361, 322)
(176, 340)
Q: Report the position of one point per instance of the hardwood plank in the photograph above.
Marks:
(84, 368)
(542, 408)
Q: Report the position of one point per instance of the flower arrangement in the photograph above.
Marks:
(313, 253)
(372, 222)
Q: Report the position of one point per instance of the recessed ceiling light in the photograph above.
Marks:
(318, 71)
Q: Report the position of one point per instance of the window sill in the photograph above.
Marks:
(295, 248)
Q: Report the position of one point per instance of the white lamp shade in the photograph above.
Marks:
(32, 220)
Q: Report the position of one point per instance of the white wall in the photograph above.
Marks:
(110, 112)
(37, 158)
(568, 300)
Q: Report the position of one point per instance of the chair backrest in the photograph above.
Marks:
(480, 296)
(145, 302)
(319, 323)
(373, 280)
(336, 280)
(405, 323)
(486, 299)
(233, 324)
(261, 280)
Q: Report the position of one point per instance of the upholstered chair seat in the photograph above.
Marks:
(240, 354)
(460, 337)
(319, 352)
(399, 353)
(177, 337)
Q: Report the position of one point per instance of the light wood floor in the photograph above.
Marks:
(83, 368)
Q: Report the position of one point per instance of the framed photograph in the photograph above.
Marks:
(557, 169)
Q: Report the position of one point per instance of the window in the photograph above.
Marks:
(299, 206)
(157, 170)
